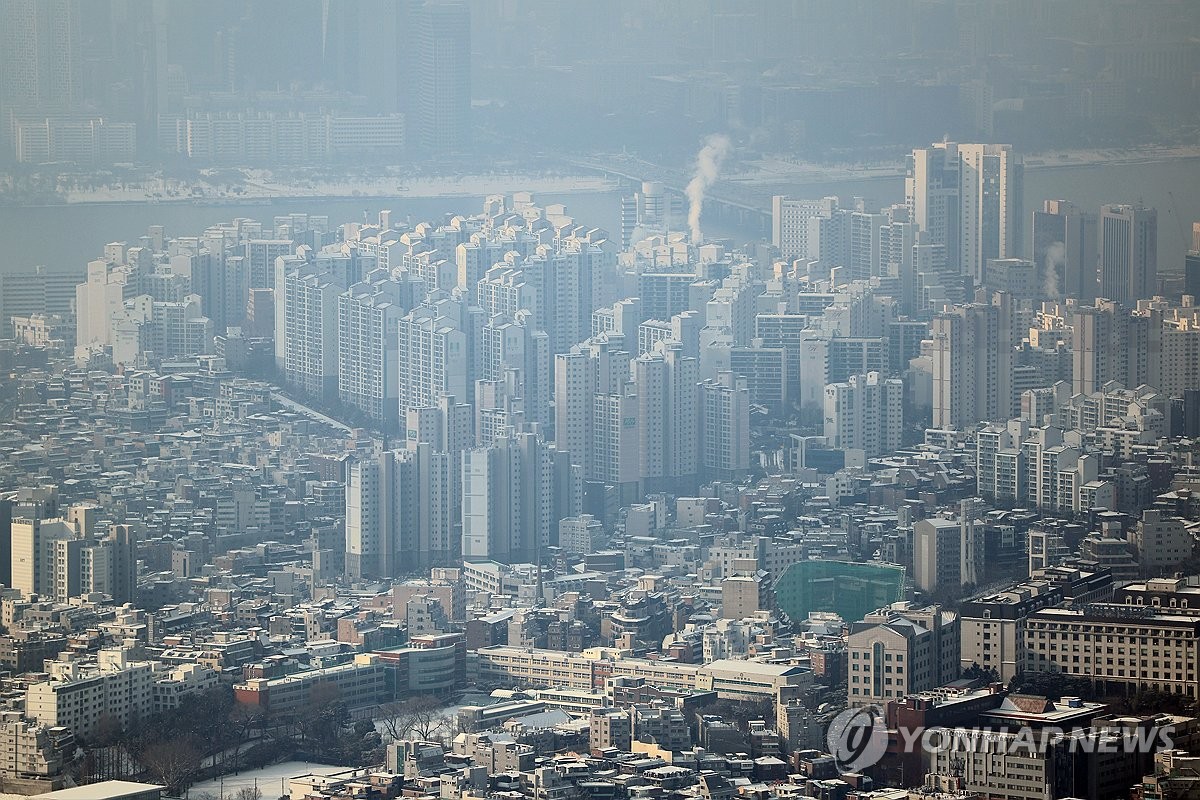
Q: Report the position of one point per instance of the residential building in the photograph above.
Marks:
(865, 413)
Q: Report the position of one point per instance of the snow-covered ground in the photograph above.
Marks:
(272, 781)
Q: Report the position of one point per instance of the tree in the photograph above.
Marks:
(741, 712)
(976, 672)
(173, 763)
(1052, 685)
(420, 718)
(324, 718)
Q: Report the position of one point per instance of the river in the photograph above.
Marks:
(67, 236)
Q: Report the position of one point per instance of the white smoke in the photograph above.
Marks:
(1053, 265)
(708, 167)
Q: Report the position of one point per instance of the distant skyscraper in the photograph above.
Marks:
(932, 194)
(1064, 250)
(40, 58)
(1128, 253)
(991, 186)
(442, 114)
(1191, 275)
(968, 197)
(37, 291)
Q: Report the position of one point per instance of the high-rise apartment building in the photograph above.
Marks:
(306, 323)
(667, 415)
(1107, 344)
(972, 364)
(574, 388)
(1128, 253)
(792, 220)
(367, 347)
(507, 499)
(865, 413)
(511, 344)
(35, 557)
(260, 257)
(399, 517)
(432, 358)
(968, 197)
(724, 422)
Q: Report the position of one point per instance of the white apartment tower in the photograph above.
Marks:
(724, 422)
(507, 499)
(368, 313)
(791, 221)
(666, 384)
(865, 413)
(968, 197)
(574, 388)
(512, 344)
(399, 516)
(432, 358)
(306, 321)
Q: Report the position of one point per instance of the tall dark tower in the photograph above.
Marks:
(124, 566)
(442, 114)
(1064, 250)
(1128, 253)
(40, 66)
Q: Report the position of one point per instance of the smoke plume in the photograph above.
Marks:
(1053, 265)
(708, 167)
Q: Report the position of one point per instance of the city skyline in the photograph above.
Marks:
(527, 400)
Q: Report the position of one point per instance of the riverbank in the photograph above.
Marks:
(260, 186)
(773, 171)
(245, 186)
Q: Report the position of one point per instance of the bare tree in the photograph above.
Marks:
(417, 718)
(172, 763)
